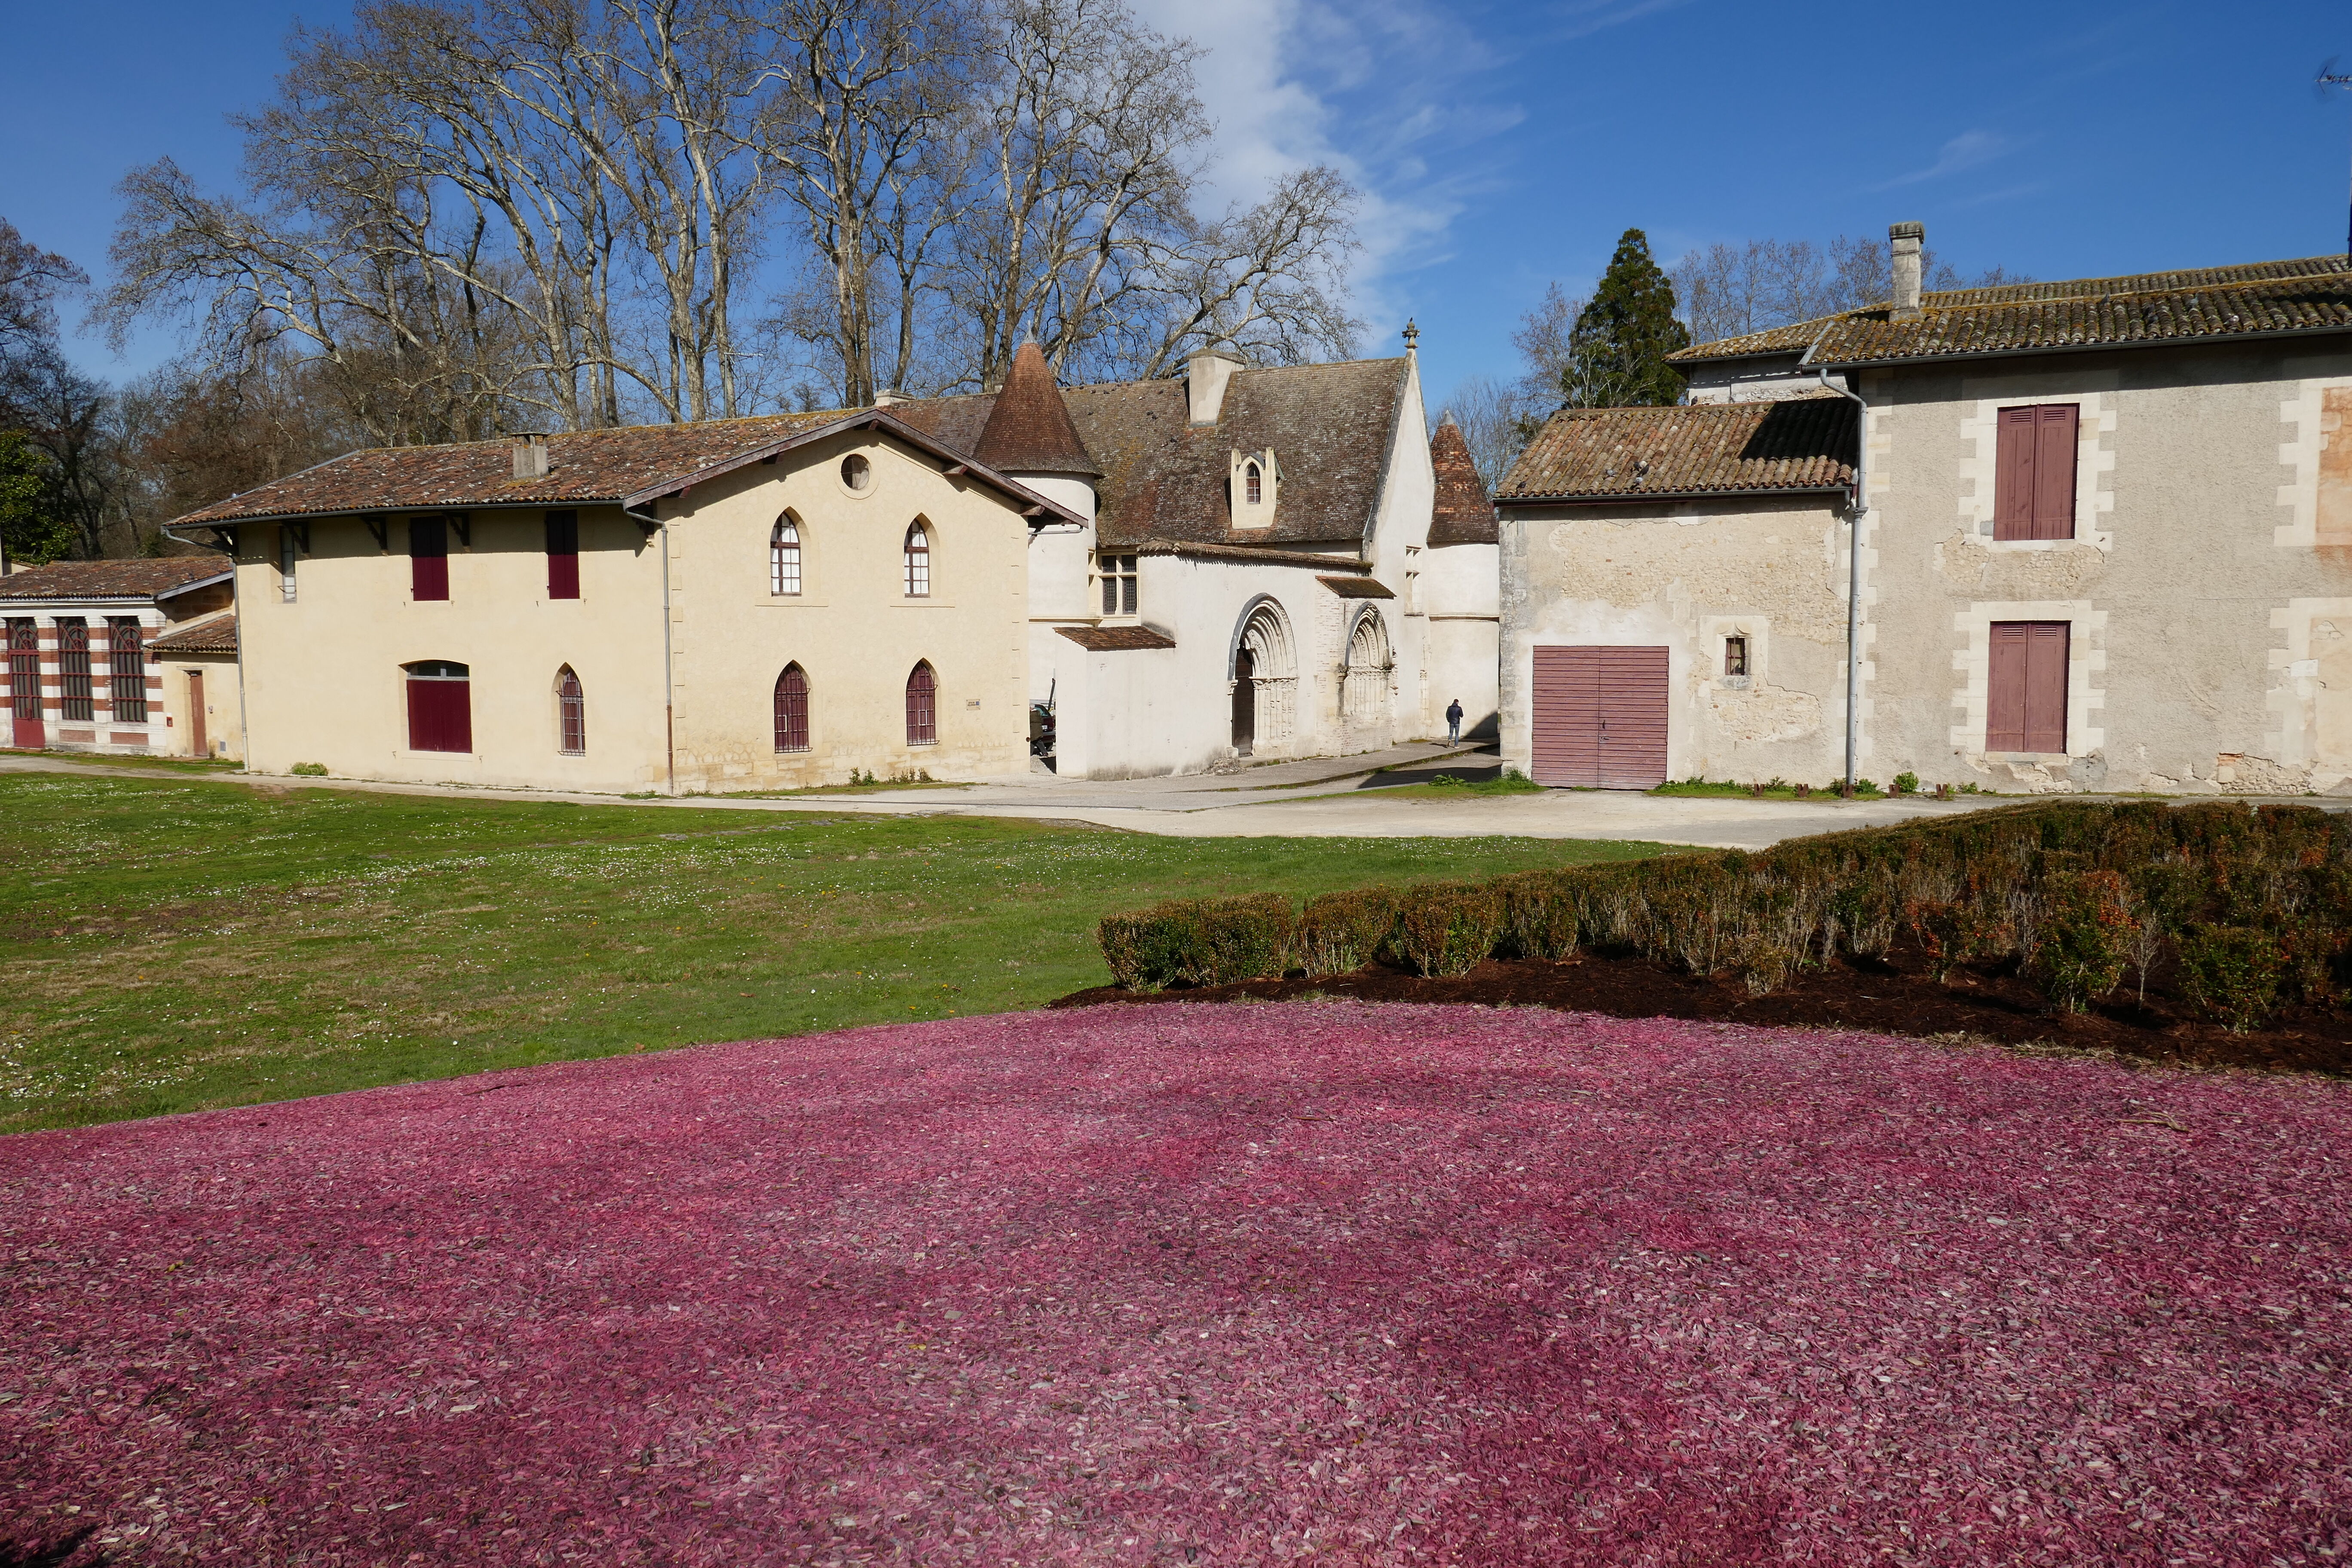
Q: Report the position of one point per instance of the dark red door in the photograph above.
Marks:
(2025, 687)
(440, 707)
(1600, 717)
(25, 686)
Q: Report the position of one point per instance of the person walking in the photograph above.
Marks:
(1454, 722)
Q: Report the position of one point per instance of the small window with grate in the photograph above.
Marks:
(792, 709)
(1117, 573)
(128, 661)
(923, 705)
(73, 669)
(570, 714)
(1735, 655)
(290, 551)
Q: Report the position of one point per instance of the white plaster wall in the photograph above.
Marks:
(1460, 593)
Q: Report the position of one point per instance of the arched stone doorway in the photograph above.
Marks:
(1364, 686)
(1265, 679)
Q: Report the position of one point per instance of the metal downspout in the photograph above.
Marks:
(669, 684)
(1858, 509)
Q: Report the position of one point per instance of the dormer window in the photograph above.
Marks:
(1253, 489)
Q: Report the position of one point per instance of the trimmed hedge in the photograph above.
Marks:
(2253, 907)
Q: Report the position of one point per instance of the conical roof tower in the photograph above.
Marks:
(1029, 431)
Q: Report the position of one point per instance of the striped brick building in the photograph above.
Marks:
(79, 672)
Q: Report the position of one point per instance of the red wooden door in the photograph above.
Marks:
(2025, 687)
(197, 745)
(25, 686)
(1600, 717)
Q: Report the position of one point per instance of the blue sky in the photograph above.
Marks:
(1502, 146)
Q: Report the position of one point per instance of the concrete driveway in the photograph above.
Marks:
(1339, 797)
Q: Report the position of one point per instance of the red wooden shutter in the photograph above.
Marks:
(440, 713)
(2054, 471)
(2045, 686)
(25, 684)
(922, 707)
(2005, 688)
(563, 555)
(2025, 687)
(428, 562)
(2012, 506)
(2034, 472)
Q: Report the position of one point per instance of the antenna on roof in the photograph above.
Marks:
(2330, 77)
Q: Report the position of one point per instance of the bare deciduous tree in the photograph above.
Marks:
(1729, 292)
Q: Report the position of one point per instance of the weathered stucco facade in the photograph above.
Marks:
(660, 668)
(1689, 576)
(2182, 555)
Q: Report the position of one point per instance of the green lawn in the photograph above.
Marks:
(174, 945)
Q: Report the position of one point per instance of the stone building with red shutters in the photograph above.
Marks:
(80, 673)
(2089, 534)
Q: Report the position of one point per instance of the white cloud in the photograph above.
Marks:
(1370, 88)
(1580, 17)
(1969, 149)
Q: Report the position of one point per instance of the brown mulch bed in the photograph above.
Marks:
(1895, 996)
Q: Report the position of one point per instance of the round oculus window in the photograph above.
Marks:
(856, 472)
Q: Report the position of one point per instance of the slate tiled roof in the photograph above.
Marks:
(2310, 295)
(1463, 513)
(1330, 426)
(140, 579)
(1029, 430)
(1709, 448)
(213, 634)
(589, 466)
(1117, 639)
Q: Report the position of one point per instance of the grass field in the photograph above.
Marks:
(173, 946)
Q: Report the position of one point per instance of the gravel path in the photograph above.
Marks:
(1171, 1284)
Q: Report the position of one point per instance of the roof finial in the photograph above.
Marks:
(1412, 336)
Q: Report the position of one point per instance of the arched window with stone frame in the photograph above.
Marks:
(570, 714)
(784, 557)
(918, 560)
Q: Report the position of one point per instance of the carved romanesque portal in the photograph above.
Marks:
(1265, 679)
(1364, 686)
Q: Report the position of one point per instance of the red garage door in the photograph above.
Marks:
(1600, 717)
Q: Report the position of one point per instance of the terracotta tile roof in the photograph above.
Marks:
(2310, 295)
(141, 579)
(1330, 427)
(1029, 430)
(1356, 588)
(1711, 448)
(213, 634)
(1117, 639)
(588, 465)
(634, 464)
(1463, 514)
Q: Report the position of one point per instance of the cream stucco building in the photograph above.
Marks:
(2107, 545)
(1128, 580)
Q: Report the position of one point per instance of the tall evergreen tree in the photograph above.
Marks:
(1617, 350)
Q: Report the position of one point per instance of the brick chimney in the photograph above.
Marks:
(530, 454)
(1907, 237)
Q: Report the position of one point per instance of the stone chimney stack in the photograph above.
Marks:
(1907, 238)
(1206, 376)
(889, 396)
(530, 454)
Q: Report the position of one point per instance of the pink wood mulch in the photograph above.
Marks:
(1169, 1285)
